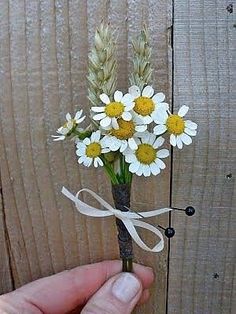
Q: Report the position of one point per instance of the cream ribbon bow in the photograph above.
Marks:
(130, 219)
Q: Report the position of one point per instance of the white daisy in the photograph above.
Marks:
(69, 126)
(145, 160)
(90, 150)
(124, 136)
(147, 105)
(113, 110)
(180, 130)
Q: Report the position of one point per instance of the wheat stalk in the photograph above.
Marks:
(102, 67)
(142, 70)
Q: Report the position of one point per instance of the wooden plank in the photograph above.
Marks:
(202, 260)
(157, 189)
(44, 64)
(6, 283)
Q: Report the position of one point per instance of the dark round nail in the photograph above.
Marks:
(190, 211)
(169, 232)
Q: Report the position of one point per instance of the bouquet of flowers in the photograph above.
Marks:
(124, 135)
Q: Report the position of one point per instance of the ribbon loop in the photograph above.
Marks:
(130, 219)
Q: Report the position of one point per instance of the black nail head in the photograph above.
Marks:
(230, 8)
(190, 211)
(169, 232)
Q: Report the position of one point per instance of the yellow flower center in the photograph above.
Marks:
(93, 150)
(175, 124)
(114, 109)
(146, 154)
(126, 129)
(144, 106)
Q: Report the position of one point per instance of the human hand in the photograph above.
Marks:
(91, 289)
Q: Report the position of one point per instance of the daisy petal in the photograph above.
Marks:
(100, 162)
(140, 171)
(80, 120)
(179, 142)
(173, 140)
(99, 116)
(159, 129)
(154, 169)
(105, 99)
(86, 141)
(126, 116)
(163, 153)
(98, 109)
(115, 145)
(190, 124)
(186, 139)
(95, 137)
(114, 123)
(64, 131)
(68, 116)
(105, 150)
(135, 91)
(160, 116)
(58, 138)
(105, 122)
(95, 163)
(129, 106)
(148, 91)
(147, 119)
(183, 110)
(151, 139)
(127, 99)
(132, 144)
(89, 161)
(190, 132)
(81, 159)
(130, 158)
(159, 97)
(134, 167)
(160, 163)
(163, 106)
(80, 151)
(118, 96)
(123, 146)
(140, 128)
(146, 171)
(158, 142)
(78, 114)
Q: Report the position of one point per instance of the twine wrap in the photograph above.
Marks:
(121, 196)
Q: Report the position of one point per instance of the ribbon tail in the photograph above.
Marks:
(130, 225)
(84, 208)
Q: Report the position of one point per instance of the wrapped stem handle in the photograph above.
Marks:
(121, 196)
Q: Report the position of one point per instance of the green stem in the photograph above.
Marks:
(110, 171)
(127, 265)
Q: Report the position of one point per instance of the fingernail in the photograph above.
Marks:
(126, 287)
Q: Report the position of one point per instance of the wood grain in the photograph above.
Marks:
(6, 280)
(157, 189)
(43, 68)
(202, 260)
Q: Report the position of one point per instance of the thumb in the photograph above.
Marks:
(118, 295)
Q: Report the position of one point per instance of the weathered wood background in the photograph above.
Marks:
(43, 63)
